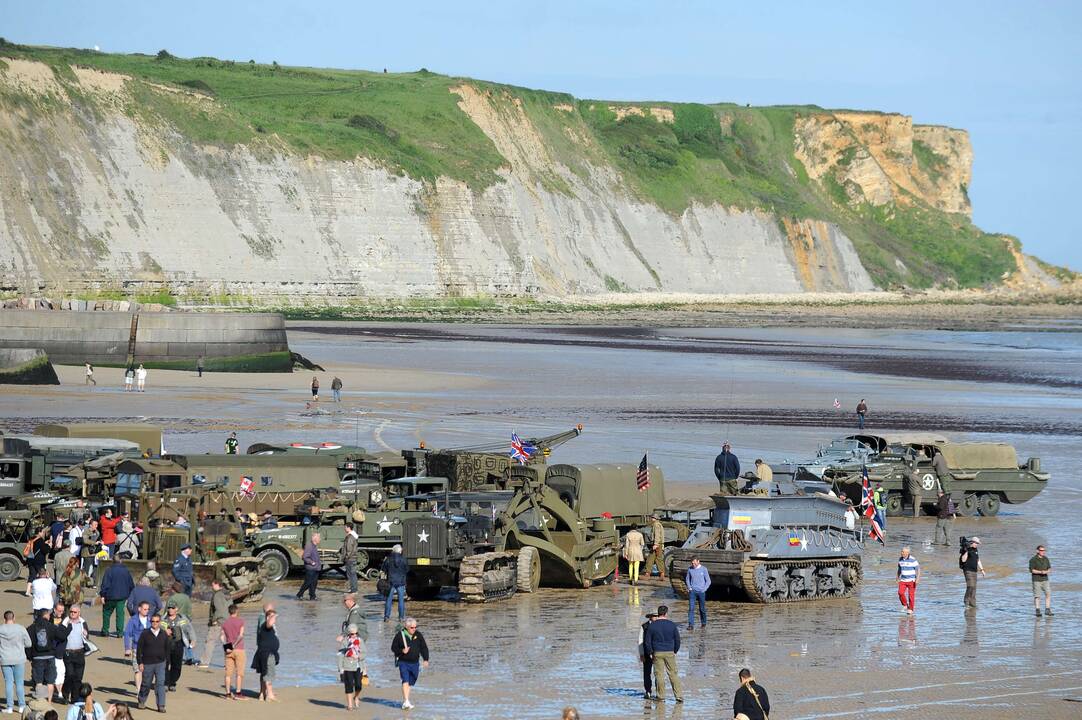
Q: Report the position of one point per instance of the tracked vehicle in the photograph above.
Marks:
(773, 549)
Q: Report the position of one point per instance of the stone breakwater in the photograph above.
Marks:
(40, 303)
(253, 342)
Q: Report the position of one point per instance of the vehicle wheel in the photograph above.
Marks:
(274, 564)
(372, 573)
(10, 567)
(988, 505)
(894, 504)
(362, 562)
(528, 570)
(967, 507)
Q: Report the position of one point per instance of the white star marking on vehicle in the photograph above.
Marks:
(385, 525)
(597, 564)
(803, 541)
(422, 536)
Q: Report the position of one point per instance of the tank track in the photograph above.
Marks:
(480, 579)
(747, 578)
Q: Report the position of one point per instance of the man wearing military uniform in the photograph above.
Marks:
(657, 547)
(942, 472)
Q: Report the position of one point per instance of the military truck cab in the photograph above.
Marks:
(31, 463)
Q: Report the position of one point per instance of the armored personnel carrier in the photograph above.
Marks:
(775, 549)
(982, 476)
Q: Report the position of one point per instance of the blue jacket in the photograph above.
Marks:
(183, 571)
(133, 630)
(661, 636)
(141, 594)
(726, 466)
(698, 579)
(117, 583)
(396, 568)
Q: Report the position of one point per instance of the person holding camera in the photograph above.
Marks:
(970, 562)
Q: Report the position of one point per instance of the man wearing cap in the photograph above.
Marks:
(179, 627)
(727, 470)
(970, 563)
(183, 572)
(647, 662)
(269, 523)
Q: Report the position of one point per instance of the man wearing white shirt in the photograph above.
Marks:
(43, 590)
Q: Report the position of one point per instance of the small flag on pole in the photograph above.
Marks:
(642, 475)
(837, 404)
(247, 487)
(521, 450)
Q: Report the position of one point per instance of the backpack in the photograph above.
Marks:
(41, 640)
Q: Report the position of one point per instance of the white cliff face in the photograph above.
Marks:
(104, 201)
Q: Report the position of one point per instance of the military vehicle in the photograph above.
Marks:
(484, 466)
(32, 463)
(217, 542)
(842, 451)
(15, 529)
(982, 475)
(376, 516)
(359, 467)
(773, 548)
(560, 531)
(146, 437)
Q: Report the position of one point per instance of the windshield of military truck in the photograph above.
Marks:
(10, 469)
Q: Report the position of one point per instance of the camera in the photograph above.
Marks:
(963, 543)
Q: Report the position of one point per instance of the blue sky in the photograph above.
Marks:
(1009, 73)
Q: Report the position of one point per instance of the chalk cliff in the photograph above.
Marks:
(131, 182)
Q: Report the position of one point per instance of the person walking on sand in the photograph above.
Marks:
(74, 654)
(657, 547)
(90, 375)
(1040, 567)
(218, 613)
(231, 444)
(152, 652)
(14, 642)
(633, 547)
(411, 652)
(661, 643)
(970, 562)
(141, 377)
(351, 661)
(395, 568)
(944, 518)
(646, 662)
(862, 410)
(200, 364)
(697, 580)
(336, 388)
(116, 586)
(180, 632)
(315, 388)
(232, 637)
(908, 577)
(312, 567)
(129, 379)
(137, 623)
(44, 635)
(266, 658)
(750, 701)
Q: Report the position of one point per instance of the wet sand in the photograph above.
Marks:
(528, 657)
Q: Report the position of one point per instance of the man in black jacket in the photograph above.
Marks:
(44, 636)
(151, 652)
(750, 701)
(660, 644)
(410, 652)
(727, 470)
(395, 568)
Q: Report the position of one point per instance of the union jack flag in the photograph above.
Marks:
(521, 450)
(642, 475)
(875, 518)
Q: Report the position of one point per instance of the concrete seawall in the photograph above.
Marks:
(251, 342)
(26, 366)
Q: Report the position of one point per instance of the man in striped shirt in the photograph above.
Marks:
(908, 577)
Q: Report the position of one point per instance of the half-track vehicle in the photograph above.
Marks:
(33, 463)
(773, 549)
(981, 477)
(376, 516)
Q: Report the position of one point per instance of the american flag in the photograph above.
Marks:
(521, 450)
(875, 519)
(642, 475)
(247, 487)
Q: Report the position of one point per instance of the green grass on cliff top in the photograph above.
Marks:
(411, 123)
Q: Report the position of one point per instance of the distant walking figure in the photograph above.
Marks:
(129, 379)
(231, 444)
(141, 377)
(336, 388)
(315, 388)
(90, 375)
(199, 365)
(862, 410)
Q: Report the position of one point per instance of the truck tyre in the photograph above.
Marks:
(894, 504)
(10, 567)
(274, 564)
(988, 504)
(528, 570)
(967, 507)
